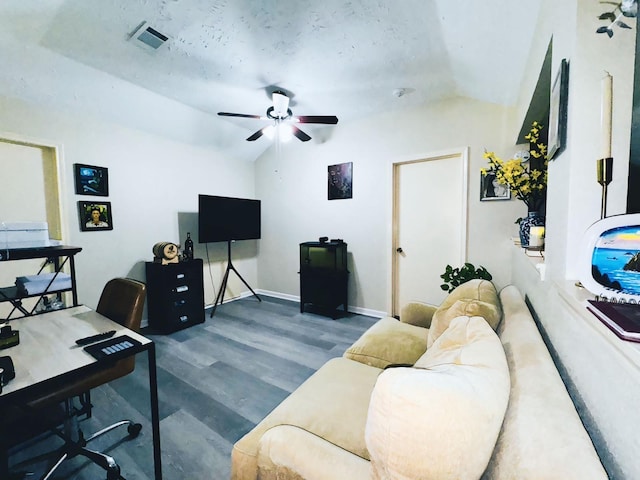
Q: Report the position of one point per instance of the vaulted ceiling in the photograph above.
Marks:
(334, 57)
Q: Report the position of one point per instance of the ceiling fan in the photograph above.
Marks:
(280, 113)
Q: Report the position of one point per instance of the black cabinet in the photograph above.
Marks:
(323, 275)
(57, 257)
(175, 295)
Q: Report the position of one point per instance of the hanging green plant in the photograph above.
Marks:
(454, 277)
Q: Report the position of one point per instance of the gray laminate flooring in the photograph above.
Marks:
(216, 380)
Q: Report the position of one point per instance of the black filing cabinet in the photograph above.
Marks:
(324, 275)
(175, 295)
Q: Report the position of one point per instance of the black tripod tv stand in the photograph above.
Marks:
(223, 287)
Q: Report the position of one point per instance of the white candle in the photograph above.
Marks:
(536, 236)
(606, 114)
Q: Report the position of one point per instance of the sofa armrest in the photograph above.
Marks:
(418, 314)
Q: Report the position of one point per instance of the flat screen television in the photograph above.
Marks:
(221, 219)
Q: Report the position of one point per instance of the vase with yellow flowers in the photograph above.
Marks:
(527, 179)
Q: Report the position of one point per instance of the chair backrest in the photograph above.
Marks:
(122, 301)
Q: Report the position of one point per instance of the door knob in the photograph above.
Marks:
(399, 250)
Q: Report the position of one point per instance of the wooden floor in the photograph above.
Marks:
(216, 381)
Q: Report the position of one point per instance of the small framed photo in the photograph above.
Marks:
(91, 180)
(558, 111)
(490, 189)
(340, 181)
(95, 216)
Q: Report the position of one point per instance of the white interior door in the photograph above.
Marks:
(430, 225)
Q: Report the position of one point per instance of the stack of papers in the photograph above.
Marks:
(34, 284)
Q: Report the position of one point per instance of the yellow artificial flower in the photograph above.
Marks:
(528, 184)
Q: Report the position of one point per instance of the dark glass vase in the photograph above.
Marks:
(533, 219)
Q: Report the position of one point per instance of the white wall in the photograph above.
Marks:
(573, 199)
(598, 372)
(292, 184)
(154, 184)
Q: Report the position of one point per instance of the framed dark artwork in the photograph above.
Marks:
(91, 180)
(340, 181)
(558, 111)
(95, 216)
(490, 189)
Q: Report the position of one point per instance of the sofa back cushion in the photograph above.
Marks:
(542, 435)
(440, 419)
(473, 298)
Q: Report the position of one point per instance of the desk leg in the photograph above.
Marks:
(155, 414)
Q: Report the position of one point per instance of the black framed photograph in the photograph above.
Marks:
(95, 216)
(558, 111)
(91, 180)
(490, 189)
(340, 181)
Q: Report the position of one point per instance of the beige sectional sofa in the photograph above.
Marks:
(464, 390)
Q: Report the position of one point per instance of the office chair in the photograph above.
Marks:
(122, 301)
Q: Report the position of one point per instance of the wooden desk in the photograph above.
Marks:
(48, 356)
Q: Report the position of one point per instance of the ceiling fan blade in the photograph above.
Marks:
(327, 119)
(242, 115)
(300, 134)
(256, 135)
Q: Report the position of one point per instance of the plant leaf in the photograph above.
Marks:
(607, 16)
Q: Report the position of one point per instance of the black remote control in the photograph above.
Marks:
(95, 338)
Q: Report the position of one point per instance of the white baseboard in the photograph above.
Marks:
(292, 298)
(296, 298)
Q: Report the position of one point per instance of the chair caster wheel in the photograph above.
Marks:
(134, 430)
(113, 473)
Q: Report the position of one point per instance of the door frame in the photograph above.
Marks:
(54, 179)
(463, 154)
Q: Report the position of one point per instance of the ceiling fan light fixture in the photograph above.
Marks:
(285, 132)
(280, 104)
(283, 120)
(269, 132)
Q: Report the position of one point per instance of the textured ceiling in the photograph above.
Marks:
(334, 57)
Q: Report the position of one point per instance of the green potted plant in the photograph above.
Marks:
(457, 276)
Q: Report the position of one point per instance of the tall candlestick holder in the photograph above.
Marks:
(605, 175)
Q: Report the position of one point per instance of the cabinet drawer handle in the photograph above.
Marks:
(180, 276)
(182, 288)
(184, 318)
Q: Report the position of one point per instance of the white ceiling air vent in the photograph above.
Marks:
(148, 37)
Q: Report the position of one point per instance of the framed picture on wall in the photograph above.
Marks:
(558, 111)
(91, 180)
(95, 216)
(490, 189)
(340, 181)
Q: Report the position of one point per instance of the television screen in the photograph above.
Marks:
(225, 218)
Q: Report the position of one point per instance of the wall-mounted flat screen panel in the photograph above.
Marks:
(221, 219)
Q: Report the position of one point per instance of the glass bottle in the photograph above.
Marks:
(188, 248)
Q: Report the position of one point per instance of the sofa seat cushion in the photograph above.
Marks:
(387, 342)
(542, 437)
(331, 404)
(288, 452)
(440, 419)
